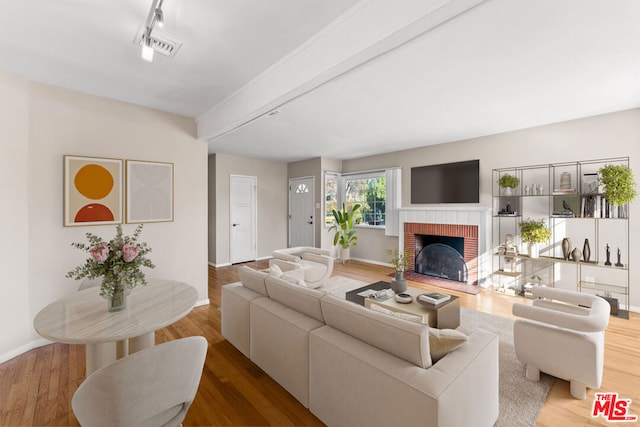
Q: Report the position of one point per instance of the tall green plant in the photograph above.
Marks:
(619, 186)
(343, 223)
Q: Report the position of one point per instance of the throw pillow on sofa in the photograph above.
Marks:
(444, 341)
(289, 276)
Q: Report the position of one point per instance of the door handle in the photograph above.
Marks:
(310, 222)
(235, 225)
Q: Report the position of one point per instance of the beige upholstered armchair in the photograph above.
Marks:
(317, 264)
(562, 334)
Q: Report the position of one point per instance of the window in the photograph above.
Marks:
(378, 194)
(370, 191)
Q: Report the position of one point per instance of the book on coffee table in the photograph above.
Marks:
(434, 297)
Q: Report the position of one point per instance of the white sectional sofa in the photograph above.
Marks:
(352, 366)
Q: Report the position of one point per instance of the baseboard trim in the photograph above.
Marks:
(369, 261)
(24, 348)
(224, 264)
(202, 302)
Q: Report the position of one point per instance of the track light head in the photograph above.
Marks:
(159, 17)
(147, 47)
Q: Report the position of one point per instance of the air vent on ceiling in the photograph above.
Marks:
(160, 43)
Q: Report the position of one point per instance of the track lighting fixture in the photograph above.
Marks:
(155, 16)
(159, 17)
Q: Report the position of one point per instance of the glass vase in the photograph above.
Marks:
(118, 301)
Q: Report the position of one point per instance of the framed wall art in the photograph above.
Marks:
(149, 191)
(92, 191)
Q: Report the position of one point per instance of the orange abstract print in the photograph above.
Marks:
(93, 181)
(93, 191)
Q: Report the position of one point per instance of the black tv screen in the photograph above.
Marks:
(457, 182)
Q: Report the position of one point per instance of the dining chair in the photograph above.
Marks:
(153, 387)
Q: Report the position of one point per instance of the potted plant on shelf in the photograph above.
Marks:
(399, 262)
(343, 224)
(619, 185)
(508, 182)
(534, 232)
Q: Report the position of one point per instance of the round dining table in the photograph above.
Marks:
(83, 318)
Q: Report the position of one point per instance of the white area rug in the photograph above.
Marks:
(520, 399)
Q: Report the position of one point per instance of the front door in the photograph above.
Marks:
(301, 212)
(242, 218)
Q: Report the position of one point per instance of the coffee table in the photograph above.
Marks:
(445, 315)
(359, 299)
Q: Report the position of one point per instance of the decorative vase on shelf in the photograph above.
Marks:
(586, 251)
(507, 191)
(117, 301)
(576, 254)
(566, 248)
(533, 250)
(398, 283)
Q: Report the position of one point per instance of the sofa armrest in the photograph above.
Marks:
(348, 377)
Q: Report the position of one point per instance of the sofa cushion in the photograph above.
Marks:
(299, 298)
(253, 279)
(443, 341)
(399, 315)
(406, 340)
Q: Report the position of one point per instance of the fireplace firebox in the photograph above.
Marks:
(441, 256)
(457, 262)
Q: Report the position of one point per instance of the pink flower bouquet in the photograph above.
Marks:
(118, 261)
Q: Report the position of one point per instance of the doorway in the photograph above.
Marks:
(301, 211)
(242, 218)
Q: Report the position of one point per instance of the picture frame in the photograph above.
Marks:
(93, 188)
(590, 184)
(149, 192)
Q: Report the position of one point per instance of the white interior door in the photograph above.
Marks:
(301, 212)
(243, 218)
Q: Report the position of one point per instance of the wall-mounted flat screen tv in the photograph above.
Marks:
(457, 182)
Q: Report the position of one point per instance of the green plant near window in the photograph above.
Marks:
(619, 186)
(343, 224)
(398, 260)
(508, 181)
(533, 231)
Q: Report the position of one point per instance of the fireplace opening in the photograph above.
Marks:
(441, 256)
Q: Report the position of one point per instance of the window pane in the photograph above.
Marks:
(371, 194)
(330, 197)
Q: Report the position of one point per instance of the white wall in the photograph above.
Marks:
(15, 318)
(272, 203)
(605, 136)
(45, 124)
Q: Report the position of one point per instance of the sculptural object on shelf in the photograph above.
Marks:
(608, 261)
(619, 264)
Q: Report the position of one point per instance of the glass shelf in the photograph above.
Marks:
(623, 290)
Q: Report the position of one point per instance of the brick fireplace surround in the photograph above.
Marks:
(468, 232)
(473, 223)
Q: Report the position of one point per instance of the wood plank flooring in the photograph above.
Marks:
(36, 387)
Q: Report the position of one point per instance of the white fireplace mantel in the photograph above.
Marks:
(465, 215)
